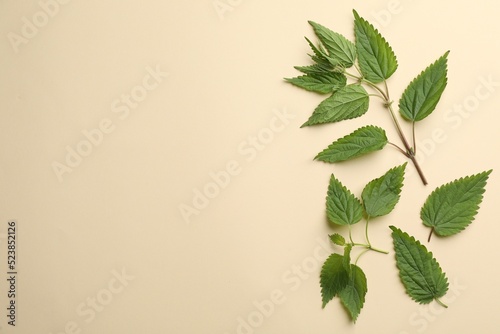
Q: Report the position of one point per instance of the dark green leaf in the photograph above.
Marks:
(323, 83)
(362, 141)
(422, 95)
(342, 207)
(340, 50)
(453, 206)
(353, 295)
(375, 57)
(419, 271)
(333, 277)
(346, 103)
(381, 195)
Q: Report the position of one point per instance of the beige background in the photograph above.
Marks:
(261, 237)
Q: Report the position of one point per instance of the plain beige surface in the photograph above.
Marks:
(178, 91)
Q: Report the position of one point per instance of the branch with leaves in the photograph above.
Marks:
(448, 210)
(374, 62)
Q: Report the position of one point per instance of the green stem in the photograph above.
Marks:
(441, 303)
(366, 232)
(414, 140)
(350, 235)
(369, 247)
(399, 149)
(359, 256)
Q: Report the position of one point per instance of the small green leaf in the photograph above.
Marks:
(323, 83)
(422, 95)
(452, 207)
(339, 48)
(353, 295)
(346, 103)
(375, 57)
(333, 277)
(419, 271)
(337, 239)
(342, 207)
(362, 141)
(381, 195)
(319, 53)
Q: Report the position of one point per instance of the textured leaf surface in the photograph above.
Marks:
(453, 206)
(339, 48)
(381, 195)
(375, 57)
(419, 271)
(362, 141)
(353, 295)
(322, 83)
(342, 207)
(333, 277)
(422, 95)
(346, 103)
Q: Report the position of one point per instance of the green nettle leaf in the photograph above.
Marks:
(319, 53)
(346, 103)
(339, 48)
(360, 142)
(314, 69)
(333, 277)
(353, 295)
(347, 258)
(381, 195)
(422, 95)
(419, 271)
(453, 206)
(342, 207)
(375, 57)
(337, 239)
(322, 83)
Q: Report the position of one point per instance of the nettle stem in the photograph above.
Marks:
(410, 151)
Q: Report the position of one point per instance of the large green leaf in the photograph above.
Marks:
(453, 206)
(353, 295)
(333, 277)
(322, 83)
(339, 48)
(381, 195)
(362, 141)
(375, 57)
(342, 207)
(346, 103)
(422, 95)
(419, 271)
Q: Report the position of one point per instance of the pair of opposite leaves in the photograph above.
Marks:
(448, 210)
(377, 62)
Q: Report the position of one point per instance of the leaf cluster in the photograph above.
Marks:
(345, 71)
(374, 61)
